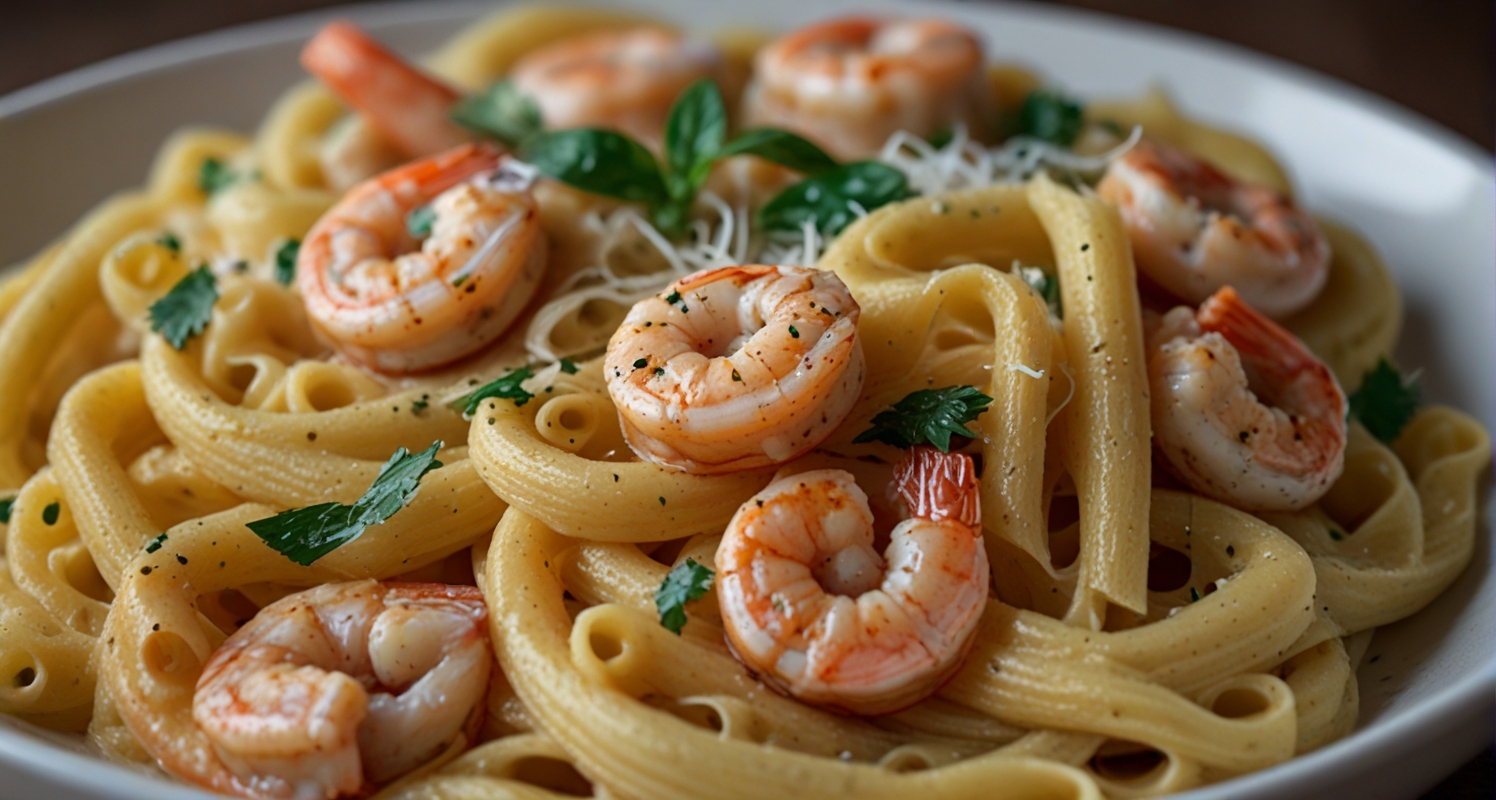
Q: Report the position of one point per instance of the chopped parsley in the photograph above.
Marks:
(568, 366)
(49, 514)
(1194, 595)
(928, 416)
(1048, 287)
(641, 363)
(418, 407)
(307, 534)
(155, 544)
(507, 387)
(1337, 535)
(5, 506)
(170, 241)
(419, 221)
(1386, 401)
(285, 262)
(794, 334)
(184, 312)
(687, 582)
(214, 176)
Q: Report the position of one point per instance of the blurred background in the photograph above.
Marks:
(1435, 58)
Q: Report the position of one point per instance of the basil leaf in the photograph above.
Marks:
(693, 134)
(783, 148)
(1050, 116)
(499, 112)
(307, 534)
(598, 161)
(827, 199)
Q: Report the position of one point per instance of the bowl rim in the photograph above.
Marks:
(35, 755)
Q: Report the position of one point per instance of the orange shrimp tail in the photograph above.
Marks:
(1264, 344)
(406, 105)
(939, 486)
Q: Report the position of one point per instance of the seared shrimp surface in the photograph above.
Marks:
(736, 367)
(620, 79)
(812, 608)
(1278, 448)
(334, 690)
(1195, 230)
(850, 83)
(397, 304)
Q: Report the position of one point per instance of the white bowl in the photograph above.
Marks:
(1424, 196)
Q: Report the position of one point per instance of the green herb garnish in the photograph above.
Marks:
(184, 312)
(170, 241)
(307, 534)
(49, 514)
(1050, 116)
(568, 366)
(499, 112)
(1048, 287)
(418, 407)
(214, 176)
(832, 200)
(285, 261)
(1386, 401)
(1194, 595)
(505, 387)
(1336, 535)
(687, 582)
(928, 416)
(940, 138)
(419, 221)
(155, 544)
(5, 507)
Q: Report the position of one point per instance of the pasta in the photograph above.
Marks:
(1141, 631)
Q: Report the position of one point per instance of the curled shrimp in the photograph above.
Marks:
(850, 83)
(346, 686)
(1278, 448)
(812, 608)
(402, 103)
(398, 305)
(736, 367)
(622, 79)
(1195, 230)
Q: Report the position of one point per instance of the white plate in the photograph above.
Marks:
(1424, 196)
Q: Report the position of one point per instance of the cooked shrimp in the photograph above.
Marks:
(395, 306)
(1222, 438)
(736, 367)
(813, 609)
(850, 83)
(405, 105)
(1194, 230)
(621, 79)
(345, 686)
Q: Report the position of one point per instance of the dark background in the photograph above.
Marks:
(1433, 57)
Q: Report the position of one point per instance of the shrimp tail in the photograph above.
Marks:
(939, 486)
(403, 103)
(1264, 344)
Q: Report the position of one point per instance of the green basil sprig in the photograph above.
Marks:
(610, 164)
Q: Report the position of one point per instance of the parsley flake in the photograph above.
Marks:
(1386, 401)
(506, 387)
(419, 221)
(794, 334)
(568, 366)
(687, 582)
(214, 176)
(170, 241)
(5, 507)
(184, 312)
(418, 407)
(641, 363)
(928, 416)
(1194, 595)
(50, 513)
(285, 262)
(307, 534)
(1337, 535)
(155, 544)
(1050, 116)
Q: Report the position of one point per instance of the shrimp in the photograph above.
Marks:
(1195, 230)
(342, 687)
(811, 607)
(403, 104)
(622, 79)
(397, 311)
(850, 83)
(736, 367)
(1215, 433)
